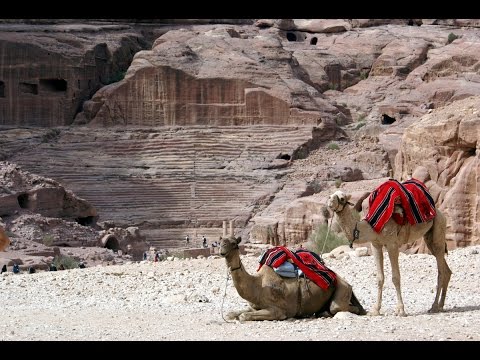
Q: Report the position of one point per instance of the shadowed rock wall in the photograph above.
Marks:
(45, 76)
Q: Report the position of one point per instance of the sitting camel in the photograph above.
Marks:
(272, 297)
(4, 239)
(392, 236)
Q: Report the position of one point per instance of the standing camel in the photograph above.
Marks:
(272, 297)
(392, 236)
(4, 239)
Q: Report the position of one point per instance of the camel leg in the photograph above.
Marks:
(443, 278)
(359, 310)
(436, 243)
(271, 313)
(393, 255)
(341, 298)
(446, 279)
(232, 315)
(378, 255)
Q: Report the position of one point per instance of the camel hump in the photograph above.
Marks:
(412, 195)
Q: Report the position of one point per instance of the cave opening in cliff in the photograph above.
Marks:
(313, 41)
(284, 157)
(28, 88)
(387, 120)
(86, 221)
(112, 244)
(23, 201)
(53, 85)
(291, 36)
(471, 152)
(2, 89)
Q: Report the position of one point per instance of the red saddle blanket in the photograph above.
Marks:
(412, 195)
(307, 261)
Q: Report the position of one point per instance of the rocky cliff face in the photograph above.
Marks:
(22, 190)
(48, 71)
(218, 76)
(442, 150)
(42, 216)
(253, 121)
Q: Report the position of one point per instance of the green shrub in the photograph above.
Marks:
(360, 125)
(67, 262)
(333, 146)
(451, 38)
(47, 240)
(316, 186)
(338, 182)
(322, 240)
(300, 153)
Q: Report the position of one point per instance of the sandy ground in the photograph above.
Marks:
(188, 299)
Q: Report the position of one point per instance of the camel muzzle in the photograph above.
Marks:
(342, 203)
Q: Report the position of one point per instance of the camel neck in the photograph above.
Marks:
(347, 218)
(242, 280)
(237, 268)
(233, 260)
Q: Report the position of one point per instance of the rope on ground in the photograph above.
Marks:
(224, 295)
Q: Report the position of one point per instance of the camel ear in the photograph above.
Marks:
(239, 239)
(348, 197)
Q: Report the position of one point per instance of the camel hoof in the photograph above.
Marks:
(373, 313)
(435, 309)
(359, 312)
(325, 314)
(231, 316)
(243, 317)
(400, 312)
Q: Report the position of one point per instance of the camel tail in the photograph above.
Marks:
(355, 302)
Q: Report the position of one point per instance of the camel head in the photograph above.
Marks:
(4, 240)
(338, 200)
(228, 244)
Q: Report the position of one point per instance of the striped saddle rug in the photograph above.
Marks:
(309, 262)
(417, 203)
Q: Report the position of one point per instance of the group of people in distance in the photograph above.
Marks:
(204, 242)
(32, 270)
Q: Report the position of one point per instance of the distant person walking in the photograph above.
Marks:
(187, 240)
(16, 269)
(205, 245)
